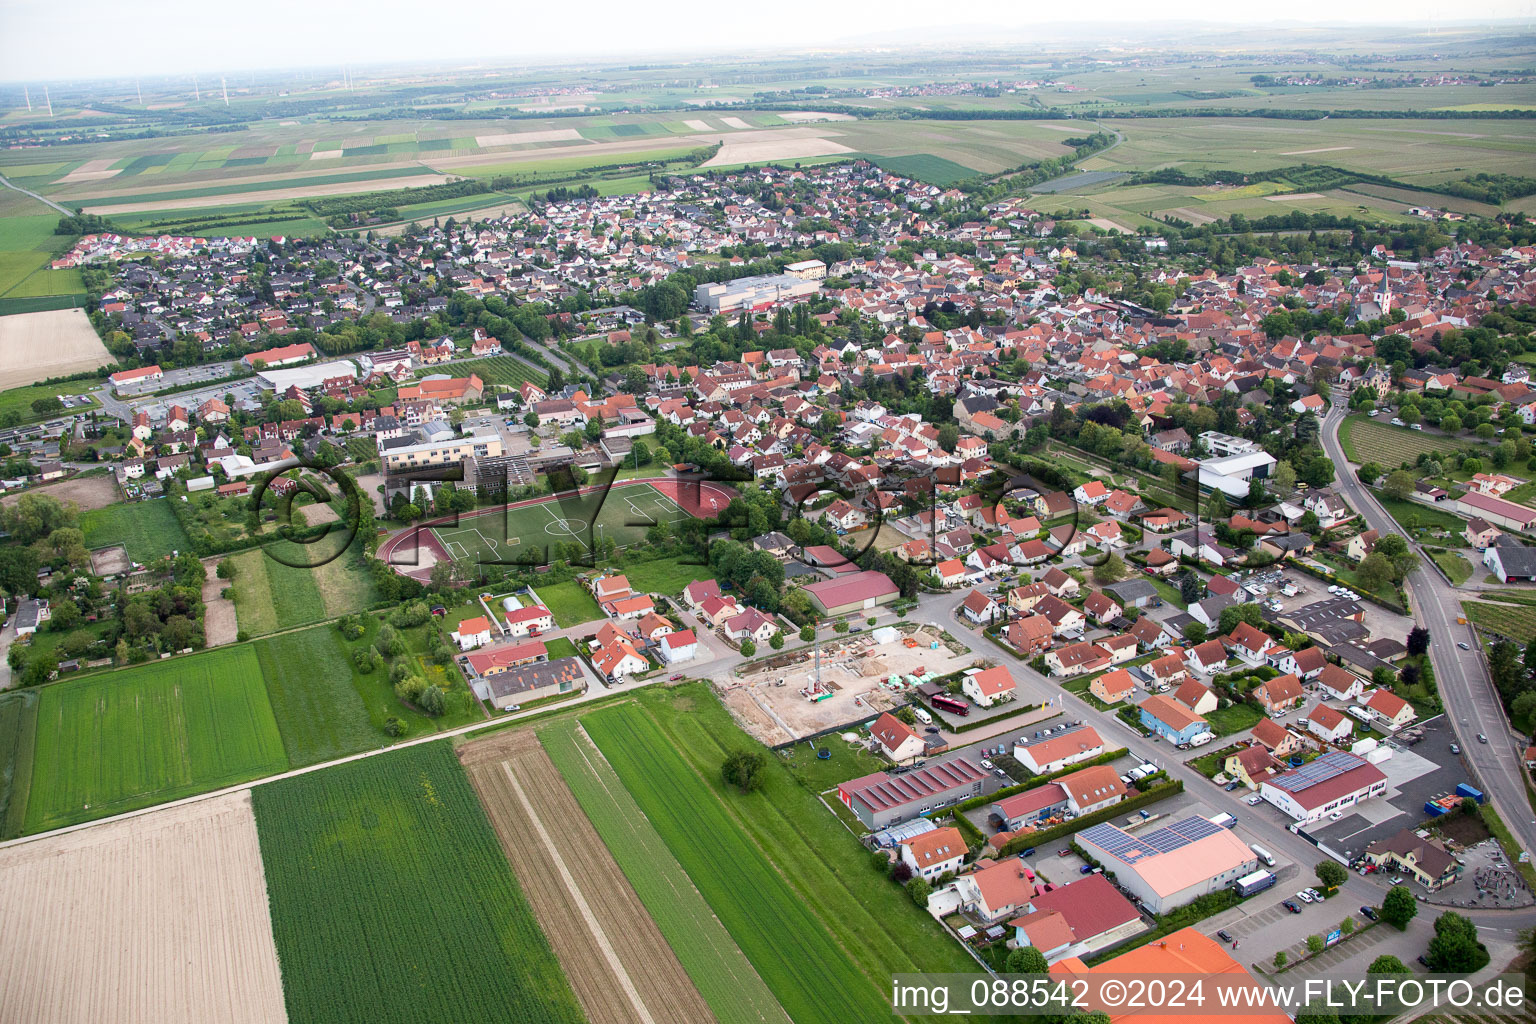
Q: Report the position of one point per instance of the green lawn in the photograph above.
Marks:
(1458, 569)
(1421, 517)
(569, 602)
(148, 529)
(560, 647)
(664, 575)
(270, 595)
(812, 978)
(123, 740)
(19, 400)
(18, 731)
(392, 900)
(1234, 718)
(320, 713)
(723, 976)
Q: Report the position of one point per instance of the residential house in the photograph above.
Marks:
(1113, 687)
(897, 740)
(934, 854)
(1280, 694)
(1172, 720)
(1329, 724)
(473, 632)
(989, 686)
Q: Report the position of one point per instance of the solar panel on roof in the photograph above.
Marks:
(1329, 766)
(1167, 839)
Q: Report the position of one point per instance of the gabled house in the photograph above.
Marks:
(989, 686)
(1329, 724)
(897, 740)
(1280, 694)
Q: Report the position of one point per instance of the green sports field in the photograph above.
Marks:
(535, 531)
(123, 740)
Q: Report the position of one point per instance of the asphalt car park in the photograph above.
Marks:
(1416, 774)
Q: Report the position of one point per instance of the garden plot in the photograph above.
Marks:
(155, 919)
(768, 702)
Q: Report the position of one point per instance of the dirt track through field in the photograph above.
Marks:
(157, 919)
(621, 968)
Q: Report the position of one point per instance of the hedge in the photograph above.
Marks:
(1039, 780)
(1066, 828)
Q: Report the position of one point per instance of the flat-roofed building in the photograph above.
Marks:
(882, 799)
(1168, 866)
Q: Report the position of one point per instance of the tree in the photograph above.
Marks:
(1347, 926)
(808, 632)
(1315, 944)
(1399, 484)
(1195, 633)
(1418, 641)
(226, 569)
(777, 640)
(1109, 570)
(1523, 707)
(1231, 615)
(33, 517)
(1455, 949)
(1281, 958)
(1387, 964)
(748, 648)
(919, 890)
(1375, 571)
(1331, 874)
(1190, 587)
(432, 701)
(744, 770)
(1399, 907)
(1027, 960)
(531, 420)
(1283, 477)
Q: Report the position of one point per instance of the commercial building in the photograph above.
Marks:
(860, 591)
(1497, 511)
(529, 681)
(1054, 749)
(1168, 866)
(1231, 474)
(1427, 860)
(882, 799)
(1076, 920)
(1511, 562)
(1330, 783)
(441, 453)
(754, 294)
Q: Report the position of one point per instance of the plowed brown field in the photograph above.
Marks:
(156, 919)
(620, 967)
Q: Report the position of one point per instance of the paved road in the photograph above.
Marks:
(42, 199)
(1471, 703)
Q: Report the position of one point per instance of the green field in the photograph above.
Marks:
(812, 978)
(1515, 621)
(392, 900)
(270, 595)
(123, 740)
(517, 533)
(18, 732)
(935, 170)
(20, 399)
(664, 575)
(1456, 568)
(1393, 446)
(1423, 517)
(320, 714)
(714, 962)
(570, 603)
(148, 529)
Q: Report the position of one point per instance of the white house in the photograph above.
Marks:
(676, 647)
(472, 633)
(1329, 724)
(988, 686)
(934, 853)
(533, 619)
(896, 738)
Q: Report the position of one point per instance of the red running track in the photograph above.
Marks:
(699, 499)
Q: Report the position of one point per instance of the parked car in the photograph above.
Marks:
(986, 764)
(1398, 880)
(1292, 906)
(1086, 869)
(1423, 960)
(1315, 895)
(1254, 800)
(1455, 748)
(1369, 912)
(1233, 785)
(1304, 896)
(1224, 935)
(1063, 852)
(674, 677)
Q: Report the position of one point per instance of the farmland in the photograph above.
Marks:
(621, 968)
(391, 900)
(734, 991)
(168, 909)
(50, 343)
(1514, 621)
(148, 529)
(502, 370)
(792, 950)
(18, 731)
(271, 595)
(115, 742)
(320, 714)
(1393, 446)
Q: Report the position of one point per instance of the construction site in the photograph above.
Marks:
(844, 680)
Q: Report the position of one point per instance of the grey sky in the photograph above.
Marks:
(97, 38)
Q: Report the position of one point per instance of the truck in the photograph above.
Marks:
(1225, 820)
(1263, 854)
(1256, 882)
(922, 715)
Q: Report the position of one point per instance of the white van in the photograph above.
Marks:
(922, 715)
(1263, 855)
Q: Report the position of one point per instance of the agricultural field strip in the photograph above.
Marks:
(813, 978)
(726, 979)
(396, 857)
(141, 921)
(577, 891)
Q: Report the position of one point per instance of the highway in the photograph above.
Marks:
(1471, 703)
